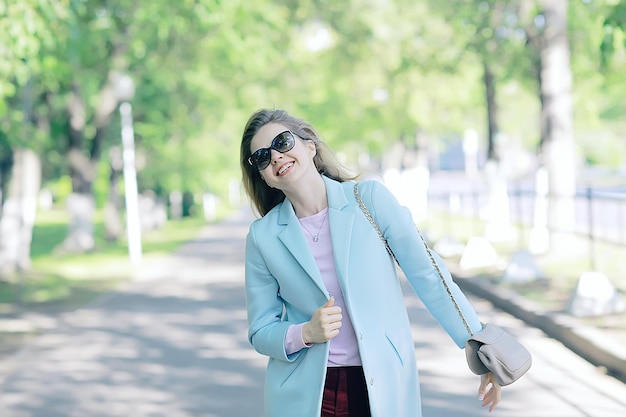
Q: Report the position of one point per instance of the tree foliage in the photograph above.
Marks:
(367, 74)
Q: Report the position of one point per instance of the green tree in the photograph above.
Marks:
(25, 29)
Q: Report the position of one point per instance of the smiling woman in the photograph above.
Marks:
(325, 160)
(315, 273)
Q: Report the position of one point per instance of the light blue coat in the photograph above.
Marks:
(284, 287)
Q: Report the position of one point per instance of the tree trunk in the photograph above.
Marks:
(498, 227)
(492, 112)
(80, 205)
(83, 165)
(6, 164)
(113, 227)
(557, 150)
(19, 212)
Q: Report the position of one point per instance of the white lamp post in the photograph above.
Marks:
(125, 90)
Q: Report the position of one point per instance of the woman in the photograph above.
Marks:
(323, 298)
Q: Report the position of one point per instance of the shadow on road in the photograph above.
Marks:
(167, 347)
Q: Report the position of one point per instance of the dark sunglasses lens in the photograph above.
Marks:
(283, 142)
(261, 158)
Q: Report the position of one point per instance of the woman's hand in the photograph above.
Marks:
(493, 395)
(324, 324)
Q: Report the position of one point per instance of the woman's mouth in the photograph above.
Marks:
(284, 168)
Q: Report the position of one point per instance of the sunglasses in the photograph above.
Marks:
(283, 142)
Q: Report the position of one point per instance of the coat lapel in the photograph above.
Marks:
(293, 239)
(341, 223)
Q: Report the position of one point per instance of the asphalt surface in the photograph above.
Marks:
(173, 343)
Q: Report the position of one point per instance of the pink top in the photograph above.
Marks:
(344, 350)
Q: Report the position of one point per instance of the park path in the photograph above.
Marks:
(173, 343)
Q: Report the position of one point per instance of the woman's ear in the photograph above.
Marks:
(312, 147)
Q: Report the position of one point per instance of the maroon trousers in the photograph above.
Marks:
(345, 393)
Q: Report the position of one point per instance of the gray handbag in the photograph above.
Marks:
(490, 350)
(493, 349)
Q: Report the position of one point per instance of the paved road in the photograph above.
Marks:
(173, 343)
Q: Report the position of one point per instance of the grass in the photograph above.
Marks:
(57, 281)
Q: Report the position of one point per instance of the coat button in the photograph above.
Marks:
(371, 381)
(360, 336)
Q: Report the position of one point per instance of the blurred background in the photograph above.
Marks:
(500, 123)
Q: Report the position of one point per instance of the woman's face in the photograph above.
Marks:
(284, 169)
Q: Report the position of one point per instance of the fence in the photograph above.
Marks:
(599, 214)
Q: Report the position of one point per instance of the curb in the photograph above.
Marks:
(587, 342)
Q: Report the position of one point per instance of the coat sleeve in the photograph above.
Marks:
(266, 329)
(396, 223)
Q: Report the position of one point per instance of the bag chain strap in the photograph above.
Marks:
(357, 195)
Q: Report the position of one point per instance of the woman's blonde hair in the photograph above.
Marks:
(265, 198)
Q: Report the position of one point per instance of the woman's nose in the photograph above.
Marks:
(276, 155)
